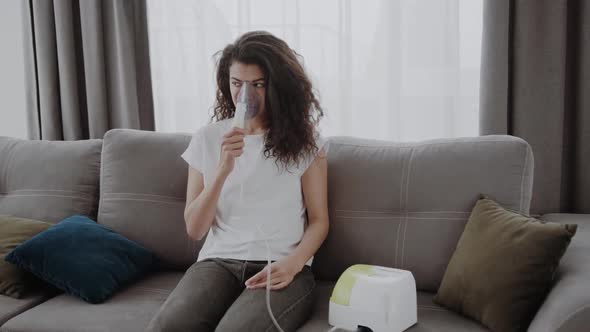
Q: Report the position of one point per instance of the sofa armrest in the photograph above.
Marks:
(567, 306)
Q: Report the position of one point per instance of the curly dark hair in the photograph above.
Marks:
(292, 110)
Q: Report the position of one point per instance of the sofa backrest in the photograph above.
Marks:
(143, 192)
(405, 205)
(401, 205)
(49, 180)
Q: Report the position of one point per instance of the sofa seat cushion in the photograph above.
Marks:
(431, 317)
(10, 307)
(130, 309)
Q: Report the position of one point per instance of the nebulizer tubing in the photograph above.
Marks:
(247, 107)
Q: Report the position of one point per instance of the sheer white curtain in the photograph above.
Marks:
(396, 70)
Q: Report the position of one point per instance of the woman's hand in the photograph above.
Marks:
(282, 273)
(231, 148)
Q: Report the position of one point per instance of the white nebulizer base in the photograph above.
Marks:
(380, 298)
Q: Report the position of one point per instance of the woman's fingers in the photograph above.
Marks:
(235, 149)
(280, 285)
(235, 131)
(254, 280)
(233, 146)
(273, 281)
(231, 132)
(260, 277)
(233, 139)
(276, 278)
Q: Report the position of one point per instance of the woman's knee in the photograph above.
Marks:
(294, 316)
(177, 314)
(291, 307)
(198, 301)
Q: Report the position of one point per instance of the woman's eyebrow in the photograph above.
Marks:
(256, 80)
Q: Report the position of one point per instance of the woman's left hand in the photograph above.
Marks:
(282, 273)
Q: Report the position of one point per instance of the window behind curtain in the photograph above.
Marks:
(394, 70)
(13, 114)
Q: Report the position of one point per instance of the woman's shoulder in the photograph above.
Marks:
(214, 129)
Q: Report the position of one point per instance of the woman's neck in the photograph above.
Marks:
(256, 127)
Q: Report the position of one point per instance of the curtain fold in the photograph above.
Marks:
(87, 68)
(535, 80)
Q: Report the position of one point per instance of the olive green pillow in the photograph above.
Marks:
(15, 282)
(503, 266)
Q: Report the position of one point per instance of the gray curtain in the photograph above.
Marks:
(535, 84)
(87, 68)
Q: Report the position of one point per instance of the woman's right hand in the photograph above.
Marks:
(231, 148)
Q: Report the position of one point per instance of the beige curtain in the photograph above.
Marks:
(87, 68)
(535, 84)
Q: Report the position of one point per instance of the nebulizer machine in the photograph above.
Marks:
(379, 298)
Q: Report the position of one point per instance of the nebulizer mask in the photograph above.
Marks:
(247, 107)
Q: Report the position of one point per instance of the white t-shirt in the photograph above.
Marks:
(255, 192)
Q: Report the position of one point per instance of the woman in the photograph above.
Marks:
(248, 188)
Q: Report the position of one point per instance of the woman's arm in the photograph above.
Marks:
(314, 183)
(201, 203)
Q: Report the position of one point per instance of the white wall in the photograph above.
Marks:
(12, 86)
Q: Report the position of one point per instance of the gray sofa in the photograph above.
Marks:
(402, 205)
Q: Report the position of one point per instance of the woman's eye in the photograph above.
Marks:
(259, 85)
(237, 84)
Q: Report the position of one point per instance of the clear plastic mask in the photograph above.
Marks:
(247, 105)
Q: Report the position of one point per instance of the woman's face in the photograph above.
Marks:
(239, 73)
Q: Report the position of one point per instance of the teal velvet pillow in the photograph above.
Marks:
(83, 258)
